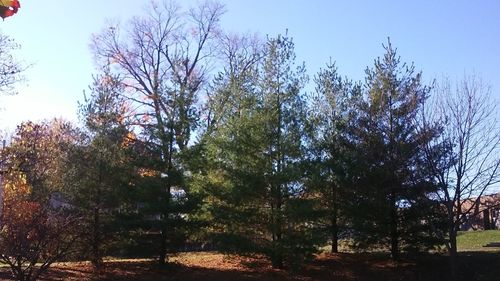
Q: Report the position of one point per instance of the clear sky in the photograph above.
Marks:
(442, 37)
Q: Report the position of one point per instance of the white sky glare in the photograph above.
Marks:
(441, 37)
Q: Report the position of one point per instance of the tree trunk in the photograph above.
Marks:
(163, 246)
(453, 253)
(164, 232)
(334, 226)
(163, 257)
(394, 227)
(335, 242)
(96, 240)
(277, 260)
(277, 255)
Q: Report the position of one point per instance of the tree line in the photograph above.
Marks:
(191, 136)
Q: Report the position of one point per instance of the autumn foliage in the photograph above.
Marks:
(32, 236)
(18, 212)
(34, 232)
(9, 8)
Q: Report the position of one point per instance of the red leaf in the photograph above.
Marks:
(9, 9)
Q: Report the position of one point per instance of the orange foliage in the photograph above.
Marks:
(129, 139)
(18, 211)
(143, 172)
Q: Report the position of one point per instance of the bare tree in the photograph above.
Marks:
(465, 158)
(164, 57)
(10, 69)
(240, 55)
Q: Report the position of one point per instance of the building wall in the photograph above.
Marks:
(486, 214)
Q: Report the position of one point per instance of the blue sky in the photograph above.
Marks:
(441, 37)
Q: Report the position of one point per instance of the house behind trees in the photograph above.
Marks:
(486, 214)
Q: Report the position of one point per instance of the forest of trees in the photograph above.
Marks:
(192, 138)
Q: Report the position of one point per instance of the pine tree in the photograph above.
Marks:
(257, 197)
(329, 151)
(392, 192)
(231, 152)
(99, 169)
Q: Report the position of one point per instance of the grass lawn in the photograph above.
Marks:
(479, 241)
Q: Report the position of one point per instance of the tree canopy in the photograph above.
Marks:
(194, 138)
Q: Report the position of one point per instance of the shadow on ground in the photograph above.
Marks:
(480, 266)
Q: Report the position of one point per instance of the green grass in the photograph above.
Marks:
(487, 240)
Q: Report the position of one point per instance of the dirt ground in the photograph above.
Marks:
(215, 266)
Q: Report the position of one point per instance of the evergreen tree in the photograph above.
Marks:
(257, 197)
(229, 164)
(392, 194)
(99, 169)
(331, 114)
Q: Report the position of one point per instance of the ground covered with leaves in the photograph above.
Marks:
(345, 266)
